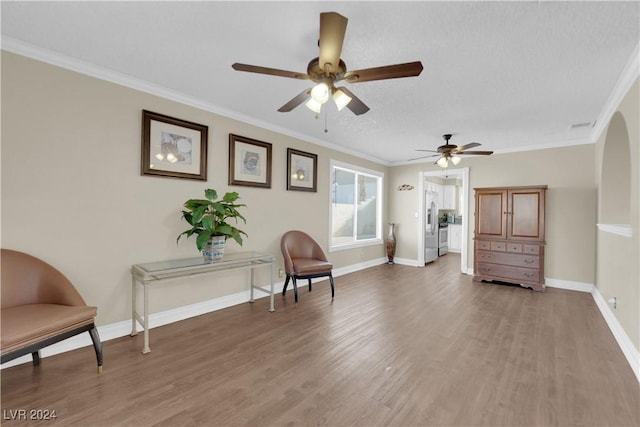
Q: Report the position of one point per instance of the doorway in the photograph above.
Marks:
(463, 174)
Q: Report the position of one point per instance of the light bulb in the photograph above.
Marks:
(443, 162)
(456, 160)
(313, 105)
(341, 99)
(320, 93)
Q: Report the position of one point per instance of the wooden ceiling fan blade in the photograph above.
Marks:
(295, 101)
(409, 69)
(269, 71)
(478, 153)
(424, 157)
(333, 27)
(467, 146)
(430, 151)
(355, 105)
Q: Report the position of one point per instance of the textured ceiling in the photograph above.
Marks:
(509, 75)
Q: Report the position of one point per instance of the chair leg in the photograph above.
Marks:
(97, 345)
(295, 288)
(332, 287)
(36, 358)
(309, 285)
(286, 283)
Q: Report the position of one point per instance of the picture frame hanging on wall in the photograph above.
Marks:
(249, 162)
(173, 147)
(302, 171)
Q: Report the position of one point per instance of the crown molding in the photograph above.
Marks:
(626, 79)
(19, 47)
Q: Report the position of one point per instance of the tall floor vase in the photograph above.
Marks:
(391, 244)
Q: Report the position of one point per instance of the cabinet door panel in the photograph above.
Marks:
(491, 208)
(526, 210)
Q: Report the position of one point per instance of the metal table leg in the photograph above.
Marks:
(252, 285)
(146, 349)
(272, 307)
(134, 329)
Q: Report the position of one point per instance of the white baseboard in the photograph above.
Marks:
(568, 285)
(123, 328)
(359, 266)
(628, 349)
(406, 261)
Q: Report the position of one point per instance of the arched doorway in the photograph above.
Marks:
(614, 207)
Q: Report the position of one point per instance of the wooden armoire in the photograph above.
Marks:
(509, 235)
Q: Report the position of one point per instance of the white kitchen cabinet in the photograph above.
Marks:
(450, 197)
(455, 237)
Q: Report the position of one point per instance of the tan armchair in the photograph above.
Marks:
(40, 307)
(303, 259)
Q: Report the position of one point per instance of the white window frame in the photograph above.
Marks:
(361, 171)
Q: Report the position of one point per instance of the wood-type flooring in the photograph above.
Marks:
(398, 346)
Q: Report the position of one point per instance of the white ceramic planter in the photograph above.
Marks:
(214, 249)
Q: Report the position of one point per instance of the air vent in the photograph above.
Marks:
(582, 125)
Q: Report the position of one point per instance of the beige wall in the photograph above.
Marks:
(72, 193)
(570, 203)
(617, 266)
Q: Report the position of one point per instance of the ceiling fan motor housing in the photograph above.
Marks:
(319, 75)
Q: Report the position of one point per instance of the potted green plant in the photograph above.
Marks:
(208, 219)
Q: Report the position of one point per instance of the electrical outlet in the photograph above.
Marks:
(361, 254)
(280, 272)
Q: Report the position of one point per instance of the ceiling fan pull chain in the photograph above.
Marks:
(326, 113)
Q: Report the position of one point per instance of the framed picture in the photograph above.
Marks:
(173, 148)
(249, 162)
(302, 170)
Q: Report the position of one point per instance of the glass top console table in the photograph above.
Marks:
(148, 273)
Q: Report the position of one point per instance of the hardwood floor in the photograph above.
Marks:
(399, 346)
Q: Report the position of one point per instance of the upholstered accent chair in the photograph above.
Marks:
(304, 259)
(40, 307)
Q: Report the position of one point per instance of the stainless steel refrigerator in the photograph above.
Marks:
(431, 227)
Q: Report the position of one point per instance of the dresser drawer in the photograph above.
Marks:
(483, 245)
(506, 258)
(514, 247)
(498, 246)
(508, 273)
(485, 256)
(531, 249)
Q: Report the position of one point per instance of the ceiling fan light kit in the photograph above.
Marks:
(328, 68)
(341, 99)
(313, 105)
(451, 153)
(443, 162)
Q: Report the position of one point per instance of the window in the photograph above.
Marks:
(356, 206)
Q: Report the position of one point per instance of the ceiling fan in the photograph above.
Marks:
(328, 69)
(450, 153)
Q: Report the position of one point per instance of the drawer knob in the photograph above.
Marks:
(529, 275)
(529, 261)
